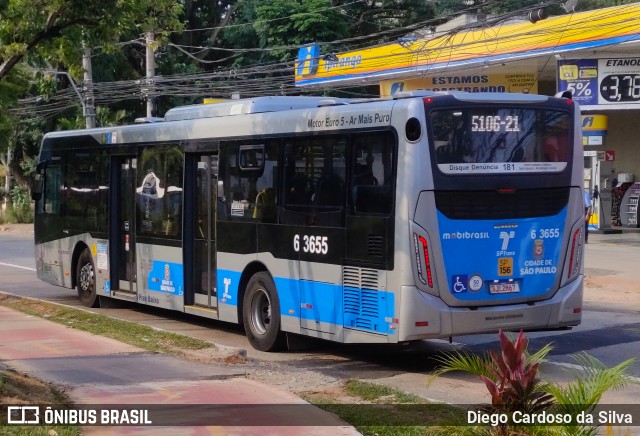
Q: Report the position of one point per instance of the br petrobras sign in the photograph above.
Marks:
(307, 62)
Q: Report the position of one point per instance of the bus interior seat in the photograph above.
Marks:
(265, 207)
(372, 199)
(330, 191)
(364, 176)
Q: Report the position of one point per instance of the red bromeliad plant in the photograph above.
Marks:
(510, 375)
(512, 380)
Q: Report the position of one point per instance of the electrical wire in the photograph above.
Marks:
(275, 77)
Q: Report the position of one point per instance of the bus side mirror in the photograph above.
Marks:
(38, 182)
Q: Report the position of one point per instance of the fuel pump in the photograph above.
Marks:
(598, 171)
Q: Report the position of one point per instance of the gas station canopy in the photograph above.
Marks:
(473, 48)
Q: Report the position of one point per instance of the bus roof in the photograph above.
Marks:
(249, 106)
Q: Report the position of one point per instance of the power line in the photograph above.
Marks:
(266, 78)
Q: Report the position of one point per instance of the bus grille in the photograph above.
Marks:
(484, 205)
(361, 299)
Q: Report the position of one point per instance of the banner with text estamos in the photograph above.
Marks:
(522, 82)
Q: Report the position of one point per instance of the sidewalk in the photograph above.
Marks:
(100, 371)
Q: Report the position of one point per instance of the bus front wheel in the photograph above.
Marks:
(261, 314)
(86, 280)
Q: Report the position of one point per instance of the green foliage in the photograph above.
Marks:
(51, 32)
(12, 87)
(278, 23)
(105, 117)
(125, 331)
(18, 208)
(592, 380)
(46, 85)
(366, 18)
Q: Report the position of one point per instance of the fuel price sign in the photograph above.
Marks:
(616, 88)
(619, 81)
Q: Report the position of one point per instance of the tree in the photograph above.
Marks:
(372, 16)
(51, 34)
(265, 24)
(11, 88)
(52, 31)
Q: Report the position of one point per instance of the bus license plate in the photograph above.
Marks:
(504, 288)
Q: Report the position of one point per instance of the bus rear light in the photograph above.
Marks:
(577, 310)
(422, 249)
(422, 323)
(576, 253)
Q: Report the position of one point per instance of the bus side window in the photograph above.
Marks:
(250, 179)
(52, 189)
(159, 192)
(314, 181)
(372, 174)
(265, 205)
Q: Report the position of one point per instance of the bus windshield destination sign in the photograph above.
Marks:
(496, 140)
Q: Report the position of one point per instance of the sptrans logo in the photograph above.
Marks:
(466, 235)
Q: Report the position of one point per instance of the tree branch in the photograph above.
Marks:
(49, 33)
(214, 32)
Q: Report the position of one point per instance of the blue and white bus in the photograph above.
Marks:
(424, 216)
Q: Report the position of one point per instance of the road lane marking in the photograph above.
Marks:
(17, 266)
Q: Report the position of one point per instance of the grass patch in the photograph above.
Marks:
(368, 403)
(131, 333)
(16, 388)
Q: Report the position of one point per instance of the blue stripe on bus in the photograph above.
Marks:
(320, 302)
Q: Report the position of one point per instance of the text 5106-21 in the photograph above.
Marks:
(311, 244)
(494, 123)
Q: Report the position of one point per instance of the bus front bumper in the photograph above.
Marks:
(425, 316)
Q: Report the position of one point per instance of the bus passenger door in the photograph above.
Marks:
(204, 231)
(123, 225)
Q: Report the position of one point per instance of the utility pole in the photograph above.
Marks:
(88, 107)
(7, 180)
(151, 72)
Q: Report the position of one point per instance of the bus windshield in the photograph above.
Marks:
(498, 139)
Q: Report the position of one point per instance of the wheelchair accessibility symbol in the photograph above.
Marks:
(459, 283)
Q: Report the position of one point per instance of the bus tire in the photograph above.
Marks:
(86, 280)
(261, 314)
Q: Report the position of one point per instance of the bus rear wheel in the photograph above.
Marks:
(261, 314)
(86, 280)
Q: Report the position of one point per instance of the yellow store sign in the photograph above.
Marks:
(512, 82)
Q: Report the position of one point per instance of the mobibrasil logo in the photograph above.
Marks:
(466, 235)
(308, 60)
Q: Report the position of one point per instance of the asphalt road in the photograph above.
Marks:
(610, 330)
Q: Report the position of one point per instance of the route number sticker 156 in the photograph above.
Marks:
(505, 266)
